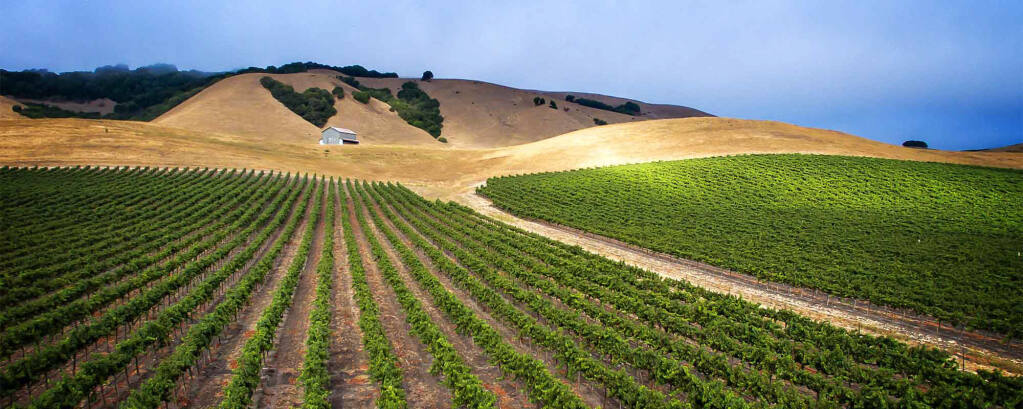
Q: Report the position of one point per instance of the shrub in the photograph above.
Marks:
(554, 105)
(570, 98)
(443, 139)
(412, 104)
(599, 121)
(36, 111)
(628, 108)
(418, 109)
(361, 96)
(427, 75)
(538, 101)
(350, 81)
(915, 144)
(383, 94)
(338, 92)
(315, 105)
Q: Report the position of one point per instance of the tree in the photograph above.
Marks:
(570, 98)
(915, 144)
(630, 108)
(427, 75)
(538, 101)
(338, 92)
(554, 105)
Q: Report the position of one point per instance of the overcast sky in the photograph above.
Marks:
(949, 73)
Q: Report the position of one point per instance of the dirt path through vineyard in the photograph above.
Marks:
(280, 387)
(206, 389)
(422, 388)
(981, 351)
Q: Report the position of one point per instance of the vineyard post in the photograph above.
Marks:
(962, 351)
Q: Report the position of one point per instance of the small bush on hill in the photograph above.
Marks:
(443, 139)
(538, 101)
(36, 111)
(315, 105)
(599, 121)
(350, 81)
(628, 108)
(915, 144)
(361, 96)
(554, 105)
(383, 94)
(338, 92)
(570, 98)
(427, 75)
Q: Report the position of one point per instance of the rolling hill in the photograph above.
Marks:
(483, 115)
(476, 114)
(240, 105)
(435, 169)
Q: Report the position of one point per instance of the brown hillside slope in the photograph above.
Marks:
(694, 137)
(476, 114)
(6, 109)
(240, 105)
(483, 115)
(1011, 148)
(439, 171)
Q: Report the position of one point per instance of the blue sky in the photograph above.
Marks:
(949, 73)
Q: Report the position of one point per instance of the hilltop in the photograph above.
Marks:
(476, 114)
(479, 114)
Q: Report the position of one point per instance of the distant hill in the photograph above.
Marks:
(476, 114)
(118, 92)
(239, 105)
(483, 115)
(1011, 148)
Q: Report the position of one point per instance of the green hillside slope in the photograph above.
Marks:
(941, 239)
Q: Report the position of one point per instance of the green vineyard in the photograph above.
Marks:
(943, 240)
(175, 288)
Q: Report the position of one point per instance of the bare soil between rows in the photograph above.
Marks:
(206, 389)
(590, 393)
(510, 392)
(280, 387)
(422, 389)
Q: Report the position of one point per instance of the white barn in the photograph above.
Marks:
(337, 136)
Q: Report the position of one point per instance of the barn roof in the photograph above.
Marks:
(342, 130)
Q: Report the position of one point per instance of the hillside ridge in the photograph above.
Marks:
(476, 114)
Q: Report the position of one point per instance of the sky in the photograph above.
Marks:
(949, 73)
